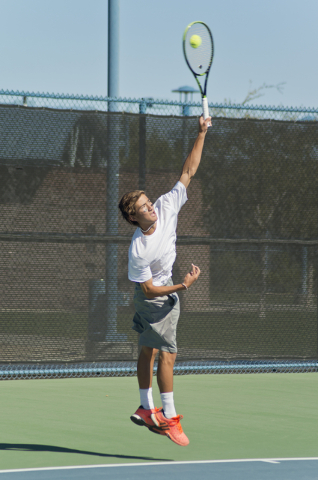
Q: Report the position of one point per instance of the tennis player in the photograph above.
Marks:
(152, 254)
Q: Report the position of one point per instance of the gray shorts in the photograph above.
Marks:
(156, 320)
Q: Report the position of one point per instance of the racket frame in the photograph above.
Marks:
(205, 105)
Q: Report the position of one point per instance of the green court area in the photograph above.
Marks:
(86, 421)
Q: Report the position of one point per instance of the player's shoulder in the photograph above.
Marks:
(137, 254)
(174, 199)
(135, 242)
(178, 188)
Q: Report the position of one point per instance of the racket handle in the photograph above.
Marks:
(205, 108)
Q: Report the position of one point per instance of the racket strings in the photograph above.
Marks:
(199, 58)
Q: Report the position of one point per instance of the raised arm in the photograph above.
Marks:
(193, 160)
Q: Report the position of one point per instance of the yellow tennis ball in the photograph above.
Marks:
(195, 41)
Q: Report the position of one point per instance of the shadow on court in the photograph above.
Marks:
(30, 447)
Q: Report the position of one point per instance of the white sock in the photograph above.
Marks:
(146, 399)
(168, 404)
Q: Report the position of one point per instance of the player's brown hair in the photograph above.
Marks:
(127, 205)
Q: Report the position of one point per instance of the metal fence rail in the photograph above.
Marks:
(129, 369)
(155, 106)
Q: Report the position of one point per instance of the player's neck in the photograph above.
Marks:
(149, 230)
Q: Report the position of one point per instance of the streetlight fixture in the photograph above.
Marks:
(185, 91)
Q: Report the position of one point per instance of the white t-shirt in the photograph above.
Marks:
(154, 255)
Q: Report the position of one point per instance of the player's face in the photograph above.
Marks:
(145, 211)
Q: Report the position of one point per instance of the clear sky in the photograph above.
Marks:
(60, 46)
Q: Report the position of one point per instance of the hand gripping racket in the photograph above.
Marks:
(198, 52)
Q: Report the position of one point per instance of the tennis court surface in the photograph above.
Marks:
(264, 469)
(267, 423)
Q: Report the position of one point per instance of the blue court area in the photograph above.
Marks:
(258, 469)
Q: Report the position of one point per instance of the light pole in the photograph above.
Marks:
(111, 275)
(185, 91)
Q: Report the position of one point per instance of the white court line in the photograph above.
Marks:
(145, 464)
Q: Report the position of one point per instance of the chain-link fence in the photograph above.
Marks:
(154, 107)
(250, 224)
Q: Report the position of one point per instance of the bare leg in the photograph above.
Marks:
(168, 414)
(165, 371)
(145, 366)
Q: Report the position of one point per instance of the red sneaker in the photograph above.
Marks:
(175, 432)
(148, 418)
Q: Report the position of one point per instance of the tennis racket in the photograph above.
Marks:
(198, 52)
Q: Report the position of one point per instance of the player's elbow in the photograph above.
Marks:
(190, 172)
(148, 292)
(186, 176)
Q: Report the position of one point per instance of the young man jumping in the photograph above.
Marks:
(152, 254)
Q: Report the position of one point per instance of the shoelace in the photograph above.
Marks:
(162, 425)
(175, 421)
